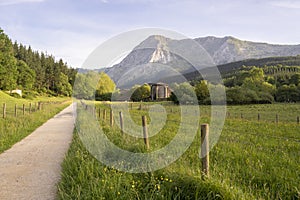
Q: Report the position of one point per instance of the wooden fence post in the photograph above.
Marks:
(4, 110)
(140, 107)
(39, 106)
(205, 150)
(99, 112)
(298, 120)
(16, 110)
(23, 109)
(30, 106)
(145, 132)
(242, 116)
(121, 122)
(258, 117)
(111, 118)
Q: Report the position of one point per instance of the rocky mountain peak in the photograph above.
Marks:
(158, 51)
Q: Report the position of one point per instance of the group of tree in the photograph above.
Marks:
(99, 86)
(140, 92)
(248, 85)
(93, 85)
(32, 71)
(264, 85)
(274, 62)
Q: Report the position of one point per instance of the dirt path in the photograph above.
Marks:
(31, 168)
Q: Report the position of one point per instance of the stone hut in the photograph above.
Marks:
(159, 91)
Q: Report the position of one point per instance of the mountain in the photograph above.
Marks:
(229, 49)
(159, 57)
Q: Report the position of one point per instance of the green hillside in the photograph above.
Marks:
(4, 97)
(271, 61)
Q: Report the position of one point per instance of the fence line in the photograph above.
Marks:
(229, 115)
(15, 110)
(259, 118)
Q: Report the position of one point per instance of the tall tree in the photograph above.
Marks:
(201, 90)
(105, 85)
(64, 87)
(8, 63)
(26, 76)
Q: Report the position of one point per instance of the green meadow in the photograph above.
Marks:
(14, 128)
(251, 160)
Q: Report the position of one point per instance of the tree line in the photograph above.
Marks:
(263, 84)
(32, 71)
(248, 85)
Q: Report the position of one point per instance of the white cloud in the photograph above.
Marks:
(286, 4)
(11, 2)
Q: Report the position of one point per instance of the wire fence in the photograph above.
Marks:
(176, 110)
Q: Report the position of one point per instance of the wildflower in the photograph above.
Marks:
(158, 186)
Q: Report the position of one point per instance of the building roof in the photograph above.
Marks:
(158, 84)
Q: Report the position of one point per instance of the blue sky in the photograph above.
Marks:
(71, 29)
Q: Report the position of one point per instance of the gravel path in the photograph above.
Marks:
(31, 168)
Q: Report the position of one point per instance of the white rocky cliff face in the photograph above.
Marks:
(161, 53)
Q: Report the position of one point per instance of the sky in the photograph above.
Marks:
(72, 29)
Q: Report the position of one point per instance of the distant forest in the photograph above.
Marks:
(35, 73)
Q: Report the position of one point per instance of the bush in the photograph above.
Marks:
(15, 95)
(240, 95)
(30, 94)
(103, 97)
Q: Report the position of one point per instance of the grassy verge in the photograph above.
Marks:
(252, 160)
(14, 129)
(86, 178)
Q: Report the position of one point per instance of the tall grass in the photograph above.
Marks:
(13, 129)
(252, 160)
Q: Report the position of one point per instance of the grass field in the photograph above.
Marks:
(14, 128)
(252, 160)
